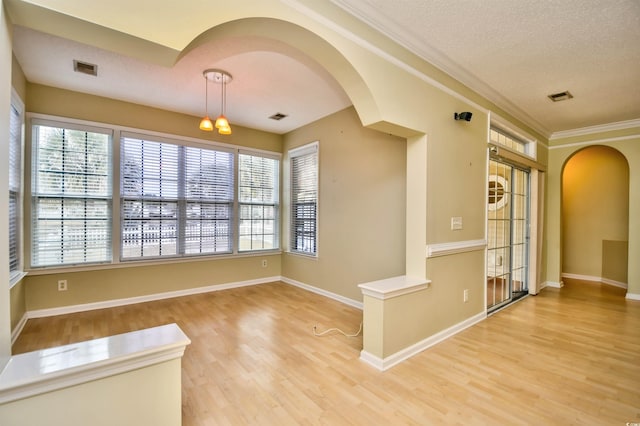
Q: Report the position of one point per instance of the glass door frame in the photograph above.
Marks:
(501, 192)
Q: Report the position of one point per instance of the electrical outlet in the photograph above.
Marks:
(62, 285)
(465, 295)
(456, 223)
(264, 263)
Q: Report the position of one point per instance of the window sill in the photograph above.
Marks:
(302, 255)
(154, 262)
(16, 278)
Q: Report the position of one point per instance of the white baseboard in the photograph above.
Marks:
(632, 296)
(552, 284)
(372, 360)
(40, 313)
(580, 277)
(325, 293)
(595, 279)
(392, 360)
(15, 333)
(614, 283)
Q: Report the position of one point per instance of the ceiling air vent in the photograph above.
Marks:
(278, 116)
(562, 96)
(85, 67)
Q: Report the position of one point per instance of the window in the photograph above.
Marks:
(512, 140)
(304, 199)
(175, 200)
(258, 188)
(498, 187)
(71, 195)
(15, 184)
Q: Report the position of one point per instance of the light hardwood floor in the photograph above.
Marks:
(566, 356)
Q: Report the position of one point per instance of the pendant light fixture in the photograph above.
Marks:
(222, 124)
(205, 123)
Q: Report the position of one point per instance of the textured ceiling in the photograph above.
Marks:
(518, 52)
(268, 78)
(515, 53)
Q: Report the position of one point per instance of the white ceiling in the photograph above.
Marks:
(512, 52)
(268, 78)
(516, 52)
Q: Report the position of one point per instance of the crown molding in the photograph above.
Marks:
(594, 142)
(620, 125)
(374, 19)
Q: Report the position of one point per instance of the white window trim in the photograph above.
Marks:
(118, 130)
(180, 199)
(17, 275)
(531, 143)
(278, 221)
(81, 126)
(312, 147)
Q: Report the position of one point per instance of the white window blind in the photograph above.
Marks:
(304, 199)
(258, 187)
(209, 201)
(71, 196)
(15, 186)
(176, 200)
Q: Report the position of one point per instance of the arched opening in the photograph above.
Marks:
(595, 216)
(236, 44)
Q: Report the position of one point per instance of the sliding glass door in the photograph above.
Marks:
(507, 233)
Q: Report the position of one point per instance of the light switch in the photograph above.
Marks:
(456, 223)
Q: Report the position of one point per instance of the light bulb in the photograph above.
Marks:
(221, 122)
(225, 130)
(206, 124)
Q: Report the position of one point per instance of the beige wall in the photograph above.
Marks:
(456, 187)
(615, 261)
(5, 102)
(413, 318)
(133, 280)
(18, 80)
(362, 175)
(18, 303)
(456, 175)
(361, 205)
(64, 103)
(595, 209)
(627, 142)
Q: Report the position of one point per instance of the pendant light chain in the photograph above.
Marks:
(223, 99)
(205, 123)
(206, 96)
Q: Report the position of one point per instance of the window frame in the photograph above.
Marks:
(312, 148)
(108, 198)
(16, 274)
(181, 200)
(116, 218)
(277, 187)
(503, 127)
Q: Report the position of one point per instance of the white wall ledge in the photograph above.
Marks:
(456, 247)
(46, 370)
(393, 287)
